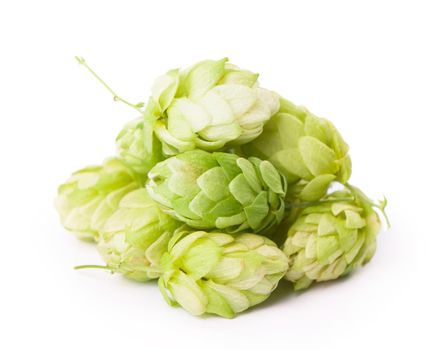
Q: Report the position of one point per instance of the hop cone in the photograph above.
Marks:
(308, 150)
(135, 236)
(332, 238)
(91, 194)
(219, 273)
(219, 190)
(209, 105)
(137, 145)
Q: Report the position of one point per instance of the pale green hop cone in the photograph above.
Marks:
(209, 105)
(137, 145)
(308, 150)
(135, 236)
(331, 239)
(219, 190)
(91, 195)
(219, 273)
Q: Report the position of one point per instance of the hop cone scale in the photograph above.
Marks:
(219, 190)
(220, 273)
(331, 239)
(306, 149)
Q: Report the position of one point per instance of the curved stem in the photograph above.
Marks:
(116, 97)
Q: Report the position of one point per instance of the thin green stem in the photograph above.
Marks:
(116, 97)
(92, 267)
(289, 205)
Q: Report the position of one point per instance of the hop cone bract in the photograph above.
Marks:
(330, 239)
(91, 194)
(209, 105)
(219, 190)
(135, 236)
(220, 273)
(308, 150)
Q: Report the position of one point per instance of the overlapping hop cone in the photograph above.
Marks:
(214, 169)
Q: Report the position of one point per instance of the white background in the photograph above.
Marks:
(368, 66)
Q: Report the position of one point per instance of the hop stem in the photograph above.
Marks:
(92, 267)
(289, 205)
(116, 97)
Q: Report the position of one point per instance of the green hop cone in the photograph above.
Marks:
(137, 145)
(331, 239)
(220, 273)
(219, 190)
(209, 105)
(308, 151)
(90, 195)
(135, 236)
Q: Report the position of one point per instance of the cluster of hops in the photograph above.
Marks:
(220, 189)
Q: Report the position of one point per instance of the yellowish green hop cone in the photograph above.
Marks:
(90, 196)
(209, 105)
(331, 239)
(219, 190)
(219, 273)
(308, 150)
(135, 236)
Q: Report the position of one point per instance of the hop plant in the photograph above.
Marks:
(219, 190)
(90, 195)
(135, 236)
(209, 105)
(306, 149)
(331, 239)
(220, 273)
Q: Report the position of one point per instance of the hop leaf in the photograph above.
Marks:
(331, 239)
(308, 150)
(90, 195)
(219, 190)
(219, 273)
